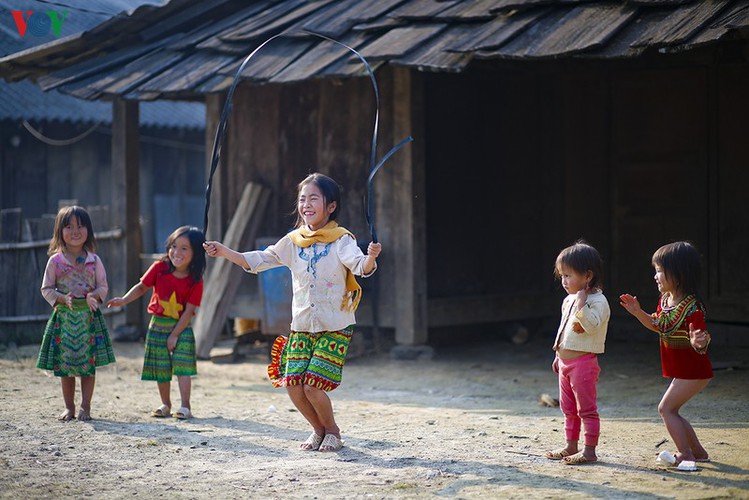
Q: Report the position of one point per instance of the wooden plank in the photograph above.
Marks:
(400, 41)
(480, 10)
(222, 280)
(432, 56)
(498, 32)
(583, 28)
(318, 58)
(423, 10)
(274, 57)
(681, 24)
(189, 73)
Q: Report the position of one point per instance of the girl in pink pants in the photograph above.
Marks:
(580, 338)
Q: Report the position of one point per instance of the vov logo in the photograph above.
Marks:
(39, 23)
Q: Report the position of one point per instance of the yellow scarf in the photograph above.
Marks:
(305, 237)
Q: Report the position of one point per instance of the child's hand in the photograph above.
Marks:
(555, 365)
(171, 342)
(374, 249)
(577, 327)
(116, 302)
(92, 301)
(698, 338)
(67, 300)
(214, 249)
(630, 303)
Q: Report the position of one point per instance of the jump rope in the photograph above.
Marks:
(374, 165)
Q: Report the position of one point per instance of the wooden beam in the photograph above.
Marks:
(223, 277)
(214, 105)
(123, 271)
(408, 195)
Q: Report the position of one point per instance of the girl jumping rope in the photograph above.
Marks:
(679, 320)
(580, 338)
(323, 258)
(75, 339)
(177, 282)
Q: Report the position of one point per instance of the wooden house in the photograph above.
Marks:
(535, 123)
(56, 149)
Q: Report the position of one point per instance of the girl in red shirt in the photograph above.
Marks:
(177, 282)
(679, 319)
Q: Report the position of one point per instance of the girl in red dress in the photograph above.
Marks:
(679, 319)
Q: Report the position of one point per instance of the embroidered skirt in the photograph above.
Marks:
(158, 363)
(314, 359)
(75, 341)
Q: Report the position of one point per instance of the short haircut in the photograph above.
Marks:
(581, 257)
(680, 262)
(196, 239)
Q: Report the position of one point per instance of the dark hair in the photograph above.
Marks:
(680, 262)
(196, 238)
(63, 219)
(331, 193)
(581, 257)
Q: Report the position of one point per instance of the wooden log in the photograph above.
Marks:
(223, 277)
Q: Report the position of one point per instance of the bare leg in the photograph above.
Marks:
(68, 396)
(185, 387)
(165, 393)
(298, 397)
(87, 393)
(679, 392)
(324, 409)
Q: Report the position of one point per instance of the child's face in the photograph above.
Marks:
(312, 208)
(664, 284)
(180, 253)
(74, 234)
(573, 281)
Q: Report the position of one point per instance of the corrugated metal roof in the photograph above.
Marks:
(25, 100)
(188, 48)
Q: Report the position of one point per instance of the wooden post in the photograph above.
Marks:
(124, 269)
(214, 105)
(408, 197)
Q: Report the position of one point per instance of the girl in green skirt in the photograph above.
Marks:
(177, 282)
(75, 339)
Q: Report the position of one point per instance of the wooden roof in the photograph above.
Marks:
(189, 48)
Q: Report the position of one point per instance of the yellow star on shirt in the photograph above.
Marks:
(172, 308)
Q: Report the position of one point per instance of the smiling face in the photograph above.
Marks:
(664, 284)
(180, 254)
(74, 234)
(573, 281)
(312, 206)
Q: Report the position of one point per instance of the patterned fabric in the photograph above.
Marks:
(158, 364)
(678, 357)
(170, 294)
(63, 277)
(75, 341)
(314, 359)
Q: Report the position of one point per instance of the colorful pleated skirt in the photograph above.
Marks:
(75, 341)
(313, 359)
(158, 363)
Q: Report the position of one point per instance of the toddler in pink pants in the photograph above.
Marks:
(580, 338)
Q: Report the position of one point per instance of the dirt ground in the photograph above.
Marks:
(466, 424)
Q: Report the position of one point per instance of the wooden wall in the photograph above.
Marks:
(531, 155)
(36, 177)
